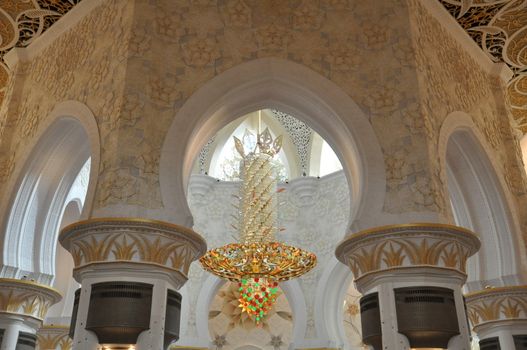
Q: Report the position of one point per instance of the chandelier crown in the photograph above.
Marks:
(264, 144)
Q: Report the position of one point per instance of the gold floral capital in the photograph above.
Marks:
(500, 304)
(131, 240)
(51, 337)
(26, 298)
(389, 248)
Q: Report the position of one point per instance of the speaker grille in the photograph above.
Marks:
(490, 344)
(371, 320)
(119, 311)
(172, 317)
(74, 313)
(426, 316)
(520, 341)
(26, 341)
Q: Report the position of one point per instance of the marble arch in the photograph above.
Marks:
(480, 203)
(294, 89)
(301, 92)
(68, 137)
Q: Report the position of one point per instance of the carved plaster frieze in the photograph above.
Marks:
(132, 240)
(51, 337)
(388, 248)
(24, 21)
(496, 305)
(26, 298)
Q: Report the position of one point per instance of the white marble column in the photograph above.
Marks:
(12, 327)
(499, 312)
(135, 250)
(24, 308)
(414, 255)
(154, 337)
(83, 339)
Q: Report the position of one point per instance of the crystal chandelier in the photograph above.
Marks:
(258, 262)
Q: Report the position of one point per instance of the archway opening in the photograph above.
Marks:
(60, 313)
(271, 83)
(478, 204)
(304, 151)
(40, 199)
(321, 212)
(313, 211)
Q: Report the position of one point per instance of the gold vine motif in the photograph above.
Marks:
(392, 253)
(498, 308)
(127, 247)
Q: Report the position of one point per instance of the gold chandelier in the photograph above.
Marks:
(258, 262)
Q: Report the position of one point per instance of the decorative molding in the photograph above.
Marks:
(26, 298)
(496, 305)
(133, 240)
(51, 337)
(410, 245)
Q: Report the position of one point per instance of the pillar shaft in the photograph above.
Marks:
(10, 336)
(411, 268)
(499, 312)
(24, 307)
(123, 257)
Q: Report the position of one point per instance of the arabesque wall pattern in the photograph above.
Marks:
(134, 63)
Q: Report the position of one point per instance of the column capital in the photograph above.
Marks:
(27, 299)
(405, 247)
(54, 337)
(132, 244)
(497, 306)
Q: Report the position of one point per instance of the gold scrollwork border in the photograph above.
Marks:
(497, 304)
(376, 232)
(150, 222)
(118, 240)
(414, 244)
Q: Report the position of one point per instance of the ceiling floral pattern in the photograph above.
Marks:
(22, 21)
(499, 27)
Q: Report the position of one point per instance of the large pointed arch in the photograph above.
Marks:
(293, 89)
(480, 203)
(41, 185)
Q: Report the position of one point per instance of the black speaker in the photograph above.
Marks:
(73, 321)
(371, 321)
(172, 317)
(26, 341)
(489, 344)
(520, 341)
(426, 316)
(119, 311)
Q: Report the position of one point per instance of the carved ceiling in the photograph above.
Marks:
(499, 27)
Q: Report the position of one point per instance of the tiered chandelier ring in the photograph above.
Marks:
(274, 260)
